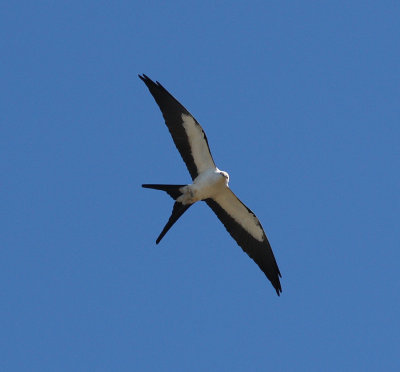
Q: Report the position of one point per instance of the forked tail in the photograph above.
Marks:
(178, 209)
(172, 190)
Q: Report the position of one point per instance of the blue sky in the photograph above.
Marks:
(300, 103)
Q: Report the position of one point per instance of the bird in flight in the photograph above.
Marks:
(209, 184)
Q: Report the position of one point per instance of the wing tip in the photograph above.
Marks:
(150, 82)
(276, 283)
(143, 77)
(146, 79)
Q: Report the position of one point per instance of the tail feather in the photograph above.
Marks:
(172, 190)
(177, 211)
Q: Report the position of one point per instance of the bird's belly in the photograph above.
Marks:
(202, 188)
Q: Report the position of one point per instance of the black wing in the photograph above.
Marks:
(246, 229)
(188, 135)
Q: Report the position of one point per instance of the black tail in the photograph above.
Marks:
(178, 209)
(172, 190)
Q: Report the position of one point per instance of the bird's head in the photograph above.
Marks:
(226, 176)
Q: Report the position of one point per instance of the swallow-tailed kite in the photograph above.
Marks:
(209, 184)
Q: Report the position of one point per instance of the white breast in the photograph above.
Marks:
(208, 184)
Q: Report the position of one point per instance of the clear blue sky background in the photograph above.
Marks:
(300, 103)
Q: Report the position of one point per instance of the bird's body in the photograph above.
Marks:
(209, 184)
(206, 185)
